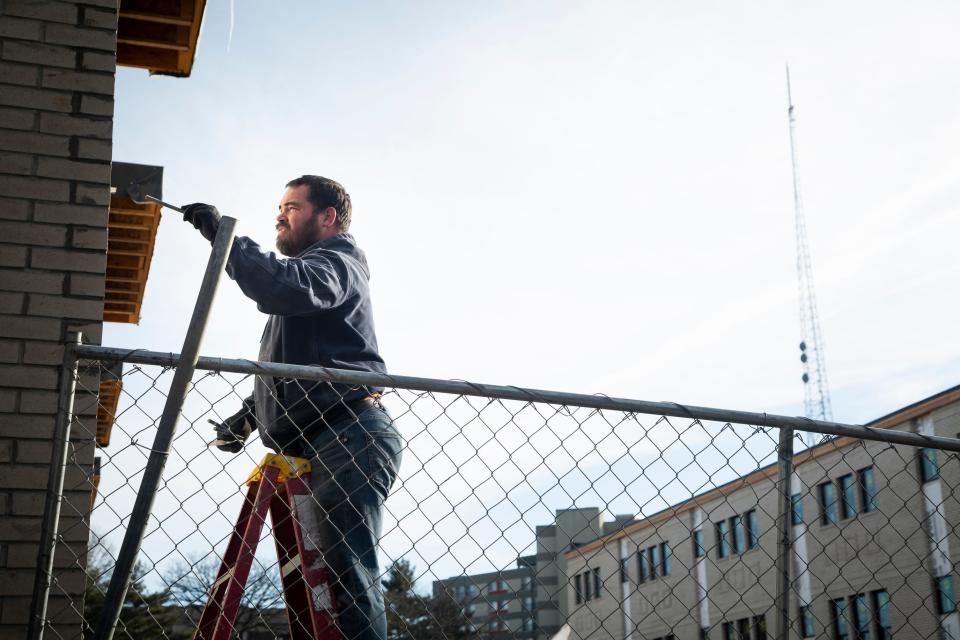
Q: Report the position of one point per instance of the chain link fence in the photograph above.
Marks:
(530, 514)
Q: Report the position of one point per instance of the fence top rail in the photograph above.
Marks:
(459, 387)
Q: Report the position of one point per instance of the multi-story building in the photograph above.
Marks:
(529, 601)
(874, 547)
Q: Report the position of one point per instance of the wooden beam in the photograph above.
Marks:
(155, 17)
(151, 43)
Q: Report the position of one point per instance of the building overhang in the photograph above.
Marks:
(159, 35)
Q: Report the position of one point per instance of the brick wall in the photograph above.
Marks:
(57, 66)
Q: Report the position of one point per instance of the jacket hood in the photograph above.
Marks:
(343, 243)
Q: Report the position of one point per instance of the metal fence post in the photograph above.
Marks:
(784, 527)
(132, 540)
(49, 530)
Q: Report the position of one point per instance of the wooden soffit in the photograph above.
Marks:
(111, 384)
(131, 234)
(159, 35)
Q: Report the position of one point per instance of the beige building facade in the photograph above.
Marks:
(874, 547)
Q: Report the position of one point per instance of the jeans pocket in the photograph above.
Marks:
(383, 453)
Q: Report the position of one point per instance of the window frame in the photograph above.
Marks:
(828, 504)
(737, 530)
(880, 601)
(723, 542)
(699, 548)
(848, 496)
(929, 464)
(807, 623)
(752, 529)
(796, 509)
(868, 489)
(838, 618)
(946, 598)
(666, 555)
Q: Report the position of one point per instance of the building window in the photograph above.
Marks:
(796, 502)
(587, 592)
(577, 591)
(666, 555)
(704, 633)
(654, 556)
(641, 565)
(526, 583)
(736, 525)
(596, 583)
(698, 549)
(806, 622)
(528, 624)
(624, 570)
(861, 618)
(838, 616)
(828, 503)
(881, 615)
(743, 629)
(759, 627)
(848, 497)
(946, 601)
(723, 543)
(728, 631)
(753, 530)
(928, 465)
(868, 490)
(528, 603)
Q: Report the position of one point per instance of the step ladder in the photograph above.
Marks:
(280, 485)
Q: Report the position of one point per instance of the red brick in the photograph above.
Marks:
(23, 377)
(61, 307)
(43, 10)
(71, 214)
(14, 209)
(16, 163)
(65, 260)
(80, 37)
(46, 235)
(11, 118)
(31, 142)
(45, 99)
(22, 29)
(11, 302)
(73, 170)
(87, 81)
(13, 73)
(92, 194)
(42, 353)
(71, 125)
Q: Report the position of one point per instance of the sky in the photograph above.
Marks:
(589, 197)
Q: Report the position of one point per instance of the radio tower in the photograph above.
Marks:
(816, 392)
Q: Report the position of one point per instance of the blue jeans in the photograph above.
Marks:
(354, 464)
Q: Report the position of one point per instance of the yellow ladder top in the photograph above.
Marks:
(290, 467)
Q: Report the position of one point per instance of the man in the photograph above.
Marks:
(320, 314)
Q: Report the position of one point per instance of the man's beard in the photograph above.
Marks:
(294, 242)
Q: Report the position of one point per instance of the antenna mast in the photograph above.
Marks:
(816, 391)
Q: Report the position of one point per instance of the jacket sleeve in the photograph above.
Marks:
(289, 286)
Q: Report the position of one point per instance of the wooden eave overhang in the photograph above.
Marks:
(159, 35)
(131, 235)
(111, 385)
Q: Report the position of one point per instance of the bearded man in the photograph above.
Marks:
(318, 301)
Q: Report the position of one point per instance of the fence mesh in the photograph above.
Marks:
(529, 519)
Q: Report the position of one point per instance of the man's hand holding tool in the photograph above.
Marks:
(232, 432)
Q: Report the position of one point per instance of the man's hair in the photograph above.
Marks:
(324, 193)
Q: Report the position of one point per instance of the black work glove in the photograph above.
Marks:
(233, 432)
(204, 217)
